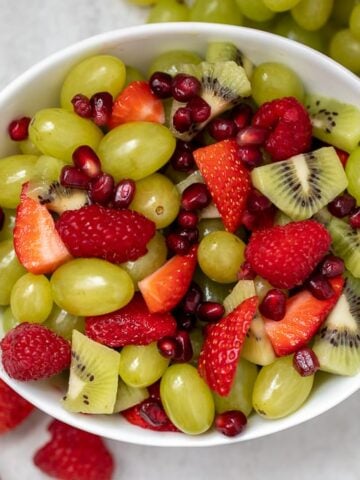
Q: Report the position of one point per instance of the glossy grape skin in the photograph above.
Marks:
(255, 10)
(14, 171)
(63, 323)
(209, 225)
(212, 291)
(58, 132)
(197, 340)
(8, 320)
(220, 256)
(280, 5)
(133, 75)
(10, 270)
(279, 390)
(168, 11)
(216, 11)
(136, 149)
(352, 170)
(141, 365)
(240, 396)
(31, 298)
(28, 148)
(157, 198)
(6, 232)
(345, 49)
(48, 168)
(312, 15)
(90, 286)
(148, 263)
(287, 27)
(187, 399)
(99, 73)
(169, 61)
(354, 22)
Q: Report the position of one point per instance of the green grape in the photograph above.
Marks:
(275, 80)
(157, 198)
(141, 365)
(355, 22)
(209, 225)
(287, 27)
(48, 168)
(240, 396)
(262, 286)
(133, 75)
(255, 10)
(220, 256)
(280, 5)
(8, 320)
(63, 323)
(312, 15)
(187, 399)
(175, 175)
(216, 11)
(9, 222)
(212, 291)
(170, 60)
(28, 148)
(352, 170)
(31, 298)
(197, 340)
(100, 73)
(14, 171)
(279, 390)
(169, 11)
(345, 49)
(342, 10)
(10, 270)
(57, 132)
(90, 286)
(148, 263)
(136, 150)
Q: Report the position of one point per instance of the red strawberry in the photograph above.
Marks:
(72, 454)
(304, 315)
(13, 408)
(137, 103)
(139, 416)
(286, 255)
(32, 352)
(163, 289)
(36, 241)
(222, 346)
(289, 125)
(114, 235)
(131, 325)
(227, 179)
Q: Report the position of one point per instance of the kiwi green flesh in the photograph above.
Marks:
(346, 244)
(127, 396)
(257, 347)
(242, 290)
(303, 184)
(227, 51)
(57, 198)
(334, 122)
(94, 373)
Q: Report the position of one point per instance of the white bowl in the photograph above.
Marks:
(39, 87)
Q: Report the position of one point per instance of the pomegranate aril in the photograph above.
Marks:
(185, 87)
(151, 410)
(192, 299)
(200, 109)
(191, 234)
(230, 423)
(101, 189)
(185, 321)
(306, 362)
(2, 218)
(257, 202)
(195, 196)
(273, 305)
(187, 219)
(185, 350)
(332, 266)
(252, 136)
(320, 287)
(250, 156)
(354, 218)
(101, 104)
(246, 272)
(82, 105)
(19, 129)
(177, 244)
(124, 193)
(154, 390)
(222, 129)
(182, 119)
(86, 160)
(210, 311)
(72, 177)
(160, 84)
(167, 347)
(242, 115)
(342, 205)
(182, 160)
(343, 156)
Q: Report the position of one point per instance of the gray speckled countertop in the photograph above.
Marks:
(326, 448)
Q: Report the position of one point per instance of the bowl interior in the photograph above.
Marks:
(137, 46)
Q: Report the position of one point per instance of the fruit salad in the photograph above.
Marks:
(183, 246)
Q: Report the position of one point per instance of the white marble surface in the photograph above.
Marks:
(326, 448)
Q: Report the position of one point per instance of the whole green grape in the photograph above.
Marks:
(133, 75)
(90, 286)
(345, 49)
(9, 222)
(255, 10)
(8, 320)
(175, 175)
(187, 399)
(63, 323)
(27, 147)
(342, 10)
(197, 340)
(212, 291)
(208, 225)
(10, 270)
(352, 170)
(216, 11)
(169, 11)
(354, 22)
(170, 61)
(48, 168)
(14, 171)
(141, 365)
(312, 15)
(280, 5)
(287, 27)
(31, 298)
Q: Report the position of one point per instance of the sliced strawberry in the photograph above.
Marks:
(37, 244)
(131, 325)
(137, 103)
(227, 179)
(13, 408)
(222, 346)
(138, 416)
(163, 289)
(304, 315)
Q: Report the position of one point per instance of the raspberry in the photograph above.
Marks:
(13, 408)
(32, 352)
(114, 235)
(289, 125)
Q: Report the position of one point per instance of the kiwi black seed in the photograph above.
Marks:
(345, 244)
(57, 198)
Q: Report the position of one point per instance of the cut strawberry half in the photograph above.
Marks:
(304, 315)
(137, 103)
(227, 179)
(163, 289)
(222, 346)
(37, 244)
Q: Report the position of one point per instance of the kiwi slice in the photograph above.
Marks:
(334, 122)
(224, 84)
(337, 345)
(242, 290)
(346, 244)
(225, 51)
(94, 374)
(303, 184)
(127, 396)
(57, 198)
